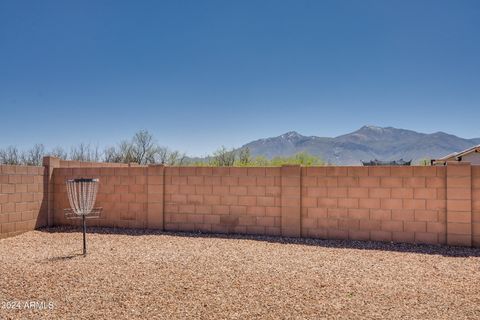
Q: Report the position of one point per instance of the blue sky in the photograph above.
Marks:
(201, 74)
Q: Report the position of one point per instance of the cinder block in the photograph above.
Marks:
(414, 182)
(436, 182)
(406, 237)
(377, 235)
(213, 180)
(459, 228)
(337, 213)
(348, 181)
(327, 181)
(426, 215)
(238, 190)
(309, 181)
(459, 205)
(204, 171)
(337, 234)
(458, 169)
(255, 211)
(349, 203)
(417, 226)
(273, 211)
(436, 227)
(316, 171)
(403, 214)
(369, 203)
(464, 193)
(203, 189)
(369, 182)
(358, 192)
(391, 182)
(381, 193)
(426, 238)
(381, 171)
(337, 171)
(265, 181)
(370, 225)
(348, 224)
(458, 182)
(418, 204)
(425, 193)
(186, 171)
(265, 221)
(459, 216)
(381, 214)
(358, 235)
(327, 203)
(229, 200)
(337, 192)
(401, 171)
(459, 240)
(256, 190)
(424, 171)
(393, 226)
(247, 200)
(361, 214)
(258, 171)
(247, 181)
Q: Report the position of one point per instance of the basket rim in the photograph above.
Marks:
(83, 180)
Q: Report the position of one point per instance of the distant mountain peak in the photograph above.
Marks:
(367, 143)
(291, 135)
(371, 127)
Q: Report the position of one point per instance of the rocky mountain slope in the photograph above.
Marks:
(367, 143)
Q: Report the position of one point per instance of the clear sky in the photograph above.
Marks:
(201, 74)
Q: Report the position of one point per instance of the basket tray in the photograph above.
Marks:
(94, 214)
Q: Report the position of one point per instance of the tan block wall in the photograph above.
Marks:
(434, 205)
(476, 206)
(402, 204)
(226, 200)
(22, 202)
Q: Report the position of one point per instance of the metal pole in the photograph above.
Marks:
(84, 236)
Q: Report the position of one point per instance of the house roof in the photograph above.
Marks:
(457, 156)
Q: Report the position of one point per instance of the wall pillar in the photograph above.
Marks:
(459, 204)
(291, 200)
(155, 196)
(49, 163)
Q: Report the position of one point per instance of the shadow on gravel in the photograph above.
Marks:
(62, 258)
(447, 251)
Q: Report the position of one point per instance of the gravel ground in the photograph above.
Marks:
(132, 274)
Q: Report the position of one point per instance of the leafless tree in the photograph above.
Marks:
(244, 157)
(168, 157)
(223, 157)
(34, 156)
(84, 152)
(10, 155)
(123, 153)
(144, 147)
(59, 152)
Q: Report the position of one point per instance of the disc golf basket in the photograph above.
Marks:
(81, 195)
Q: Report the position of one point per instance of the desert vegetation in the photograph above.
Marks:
(144, 149)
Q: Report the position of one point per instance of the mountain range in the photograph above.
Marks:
(367, 143)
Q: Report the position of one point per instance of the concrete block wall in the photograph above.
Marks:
(22, 199)
(476, 205)
(401, 204)
(433, 205)
(227, 200)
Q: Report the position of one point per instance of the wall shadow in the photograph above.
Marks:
(447, 251)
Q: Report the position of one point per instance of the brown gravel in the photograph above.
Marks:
(132, 274)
